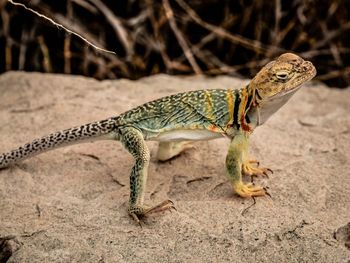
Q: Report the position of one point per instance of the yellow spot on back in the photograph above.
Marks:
(209, 105)
(229, 99)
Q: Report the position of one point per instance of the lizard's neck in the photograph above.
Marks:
(244, 101)
(261, 110)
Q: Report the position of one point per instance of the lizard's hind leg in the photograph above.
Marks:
(168, 150)
(133, 141)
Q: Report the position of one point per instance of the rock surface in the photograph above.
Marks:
(70, 205)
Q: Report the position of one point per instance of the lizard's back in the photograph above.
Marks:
(208, 110)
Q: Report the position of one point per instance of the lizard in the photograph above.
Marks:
(177, 120)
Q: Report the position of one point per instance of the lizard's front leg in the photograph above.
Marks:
(234, 165)
(133, 141)
(251, 167)
(168, 150)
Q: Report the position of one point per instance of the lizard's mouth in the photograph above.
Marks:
(286, 92)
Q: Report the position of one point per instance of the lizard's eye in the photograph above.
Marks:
(282, 75)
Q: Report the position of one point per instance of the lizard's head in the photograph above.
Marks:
(275, 84)
(282, 76)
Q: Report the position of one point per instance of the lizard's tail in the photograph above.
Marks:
(89, 132)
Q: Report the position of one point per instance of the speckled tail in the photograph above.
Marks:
(91, 131)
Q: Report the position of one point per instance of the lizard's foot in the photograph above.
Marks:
(138, 212)
(252, 168)
(249, 190)
(168, 150)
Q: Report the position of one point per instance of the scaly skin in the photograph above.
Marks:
(178, 119)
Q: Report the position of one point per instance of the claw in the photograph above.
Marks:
(267, 193)
(249, 169)
(136, 218)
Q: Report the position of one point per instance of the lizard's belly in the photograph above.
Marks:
(187, 135)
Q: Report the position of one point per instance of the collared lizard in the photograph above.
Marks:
(177, 119)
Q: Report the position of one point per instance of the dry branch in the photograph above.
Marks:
(117, 26)
(248, 43)
(214, 37)
(170, 15)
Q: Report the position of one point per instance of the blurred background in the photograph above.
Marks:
(209, 37)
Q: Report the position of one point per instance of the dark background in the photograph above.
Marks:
(175, 37)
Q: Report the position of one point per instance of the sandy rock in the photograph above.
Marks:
(70, 205)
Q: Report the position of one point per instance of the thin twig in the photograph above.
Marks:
(189, 55)
(67, 42)
(117, 25)
(46, 54)
(321, 52)
(330, 35)
(158, 38)
(108, 55)
(8, 45)
(248, 43)
(197, 49)
(335, 74)
(60, 26)
(85, 5)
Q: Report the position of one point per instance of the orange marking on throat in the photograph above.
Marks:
(245, 126)
(244, 99)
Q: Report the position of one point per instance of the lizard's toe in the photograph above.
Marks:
(249, 190)
(249, 169)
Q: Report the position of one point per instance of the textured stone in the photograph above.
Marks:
(70, 205)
